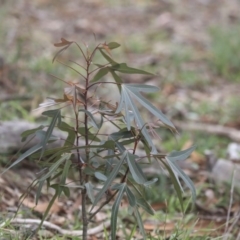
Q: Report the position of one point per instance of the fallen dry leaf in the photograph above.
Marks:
(195, 157)
(42, 206)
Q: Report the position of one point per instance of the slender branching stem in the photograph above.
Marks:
(59, 79)
(81, 51)
(84, 180)
(72, 69)
(78, 64)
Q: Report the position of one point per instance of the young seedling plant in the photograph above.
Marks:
(113, 158)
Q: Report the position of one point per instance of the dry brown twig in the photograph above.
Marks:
(54, 227)
(229, 132)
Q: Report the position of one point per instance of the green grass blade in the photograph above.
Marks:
(140, 223)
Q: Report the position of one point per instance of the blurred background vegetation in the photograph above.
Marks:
(193, 47)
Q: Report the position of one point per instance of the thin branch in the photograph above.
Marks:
(78, 64)
(71, 68)
(112, 122)
(81, 51)
(102, 205)
(54, 227)
(93, 53)
(59, 78)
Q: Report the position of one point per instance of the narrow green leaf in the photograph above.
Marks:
(65, 171)
(144, 205)
(153, 110)
(110, 60)
(48, 208)
(120, 147)
(91, 136)
(52, 113)
(55, 166)
(113, 45)
(26, 133)
(107, 145)
(184, 177)
(121, 134)
(110, 157)
(142, 88)
(131, 197)
(140, 223)
(123, 68)
(56, 116)
(181, 155)
(126, 104)
(111, 177)
(115, 211)
(24, 155)
(52, 153)
(66, 191)
(94, 122)
(138, 120)
(100, 176)
(71, 133)
(117, 79)
(40, 134)
(39, 190)
(175, 182)
(127, 142)
(101, 73)
(89, 188)
(137, 175)
(116, 186)
(146, 149)
(148, 183)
